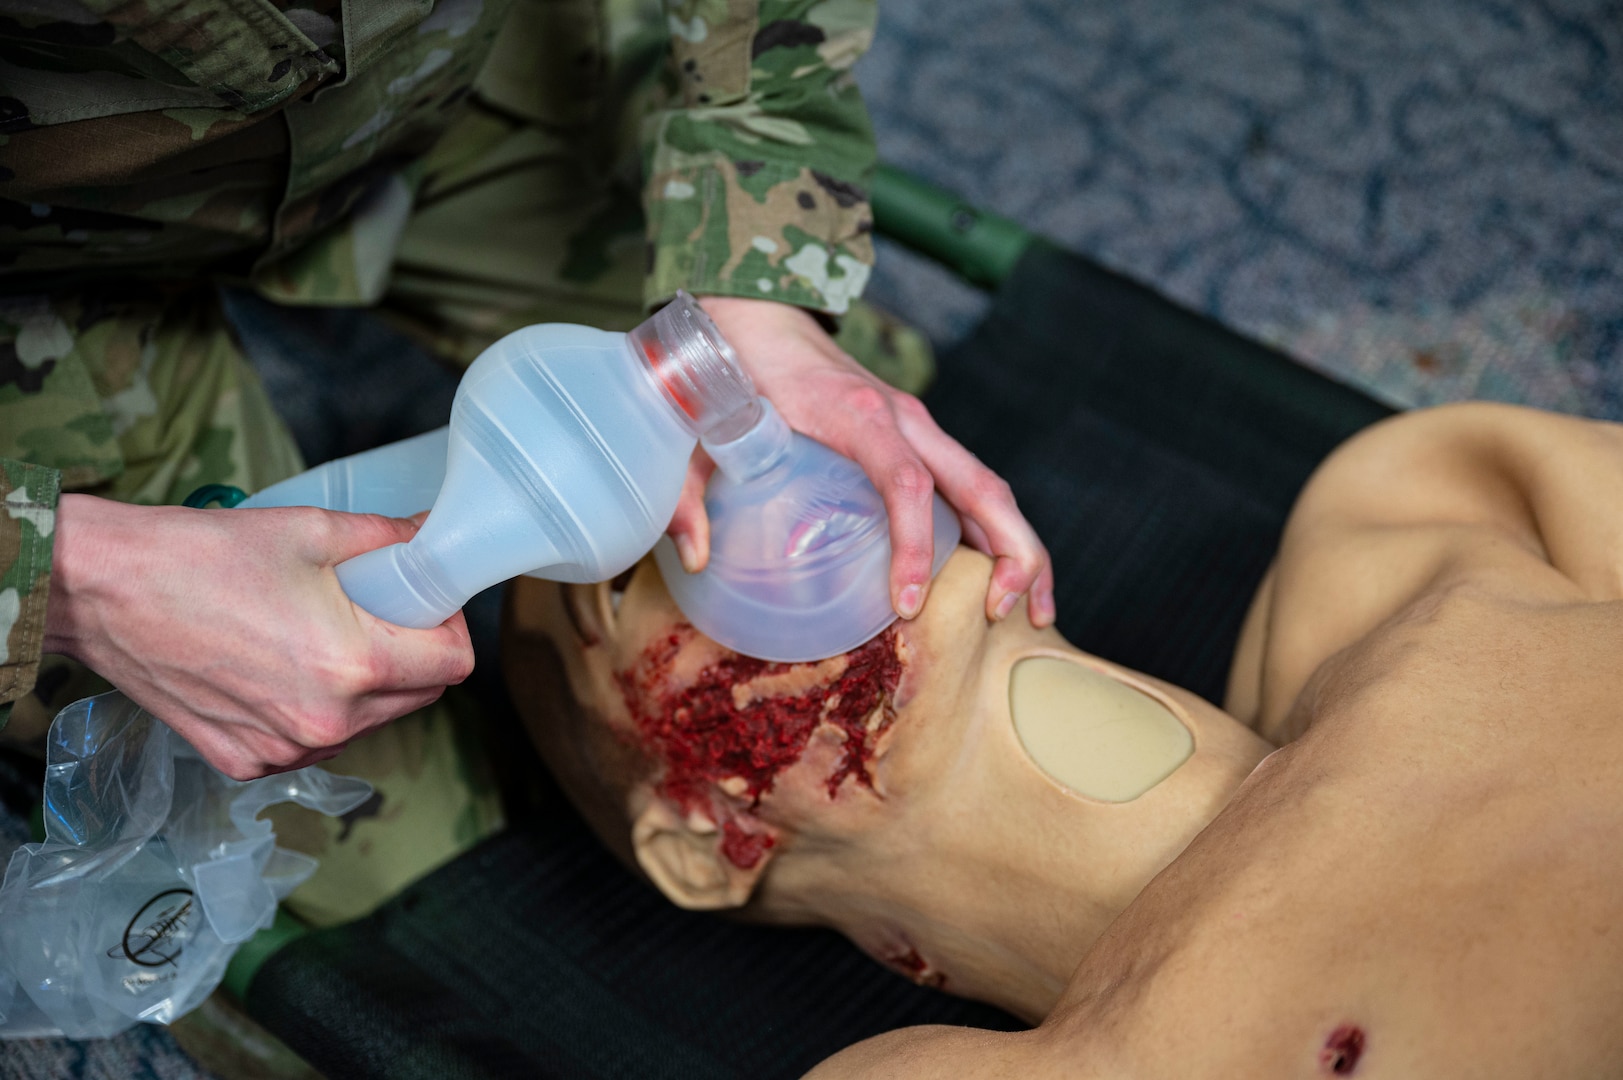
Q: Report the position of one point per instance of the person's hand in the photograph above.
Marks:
(823, 393)
(231, 627)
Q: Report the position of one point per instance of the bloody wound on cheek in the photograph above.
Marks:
(703, 736)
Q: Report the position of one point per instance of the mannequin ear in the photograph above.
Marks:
(591, 609)
(684, 859)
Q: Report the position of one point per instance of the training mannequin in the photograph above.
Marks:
(933, 801)
(1424, 881)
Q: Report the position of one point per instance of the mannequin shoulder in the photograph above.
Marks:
(1525, 504)
(1475, 463)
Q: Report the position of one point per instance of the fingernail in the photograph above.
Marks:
(1043, 605)
(687, 553)
(908, 604)
(1004, 606)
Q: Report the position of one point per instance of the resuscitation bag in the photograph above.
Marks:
(154, 868)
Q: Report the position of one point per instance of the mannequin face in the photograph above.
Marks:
(706, 767)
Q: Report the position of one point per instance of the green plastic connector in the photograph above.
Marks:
(252, 954)
(224, 494)
(981, 247)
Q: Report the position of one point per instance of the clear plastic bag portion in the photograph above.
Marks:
(154, 867)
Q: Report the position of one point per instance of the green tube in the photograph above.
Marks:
(981, 247)
(252, 954)
(224, 494)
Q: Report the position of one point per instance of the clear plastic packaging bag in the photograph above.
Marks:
(154, 868)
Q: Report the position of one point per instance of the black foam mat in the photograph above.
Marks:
(536, 955)
(1156, 453)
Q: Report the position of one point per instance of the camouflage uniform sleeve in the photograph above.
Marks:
(26, 531)
(757, 166)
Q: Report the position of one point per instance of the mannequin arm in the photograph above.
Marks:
(944, 1053)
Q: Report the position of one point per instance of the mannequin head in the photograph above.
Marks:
(886, 792)
(692, 762)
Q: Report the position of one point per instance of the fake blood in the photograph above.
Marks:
(1342, 1050)
(703, 736)
(916, 967)
(743, 849)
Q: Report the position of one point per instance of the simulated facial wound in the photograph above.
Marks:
(740, 722)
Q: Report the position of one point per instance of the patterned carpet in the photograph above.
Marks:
(1422, 198)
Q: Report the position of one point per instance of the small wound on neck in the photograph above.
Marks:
(915, 967)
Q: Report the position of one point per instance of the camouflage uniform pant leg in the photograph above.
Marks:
(187, 407)
(530, 206)
(435, 797)
(515, 231)
(138, 394)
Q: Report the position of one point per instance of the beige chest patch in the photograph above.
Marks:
(1096, 736)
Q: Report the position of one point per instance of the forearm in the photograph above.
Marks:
(100, 553)
(27, 545)
(938, 1051)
